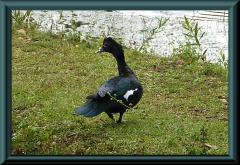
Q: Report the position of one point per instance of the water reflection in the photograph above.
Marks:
(133, 26)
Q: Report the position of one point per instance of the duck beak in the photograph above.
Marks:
(100, 50)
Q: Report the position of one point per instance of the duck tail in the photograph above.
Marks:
(89, 109)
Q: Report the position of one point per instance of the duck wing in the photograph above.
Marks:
(121, 88)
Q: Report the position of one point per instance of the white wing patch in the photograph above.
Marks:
(129, 93)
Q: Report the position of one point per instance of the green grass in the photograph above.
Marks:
(181, 111)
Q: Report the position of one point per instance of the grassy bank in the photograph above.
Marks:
(183, 111)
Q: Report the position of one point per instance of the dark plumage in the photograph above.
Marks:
(125, 88)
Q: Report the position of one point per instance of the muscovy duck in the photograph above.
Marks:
(117, 94)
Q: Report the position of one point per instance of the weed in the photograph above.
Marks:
(113, 98)
(20, 18)
(149, 33)
(222, 60)
(191, 50)
(197, 144)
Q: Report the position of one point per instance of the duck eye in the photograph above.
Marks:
(105, 44)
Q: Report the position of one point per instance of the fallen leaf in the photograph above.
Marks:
(36, 147)
(222, 97)
(21, 31)
(223, 118)
(179, 62)
(224, 100)
(210, 146)
(87, 151)
(28, 39)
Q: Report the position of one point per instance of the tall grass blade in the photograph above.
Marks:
(202, 35)
(196, 29)
(205, 51)
(188, 35)
(186, 21)
(197, 41)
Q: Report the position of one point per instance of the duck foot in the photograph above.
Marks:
(123, 121)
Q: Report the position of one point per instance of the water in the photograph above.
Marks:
(128, 26)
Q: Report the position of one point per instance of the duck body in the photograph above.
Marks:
(117, 94)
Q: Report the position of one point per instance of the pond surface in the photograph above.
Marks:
(133, 27)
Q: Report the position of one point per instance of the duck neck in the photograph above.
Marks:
(123, 68)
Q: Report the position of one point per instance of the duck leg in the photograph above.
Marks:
(120, 115)
(110, 115)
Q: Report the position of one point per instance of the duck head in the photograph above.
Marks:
(110, 46)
